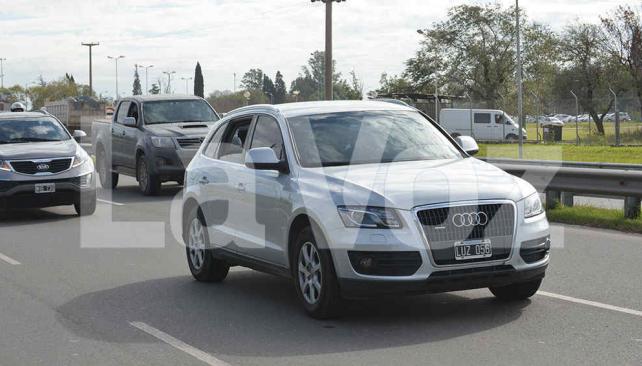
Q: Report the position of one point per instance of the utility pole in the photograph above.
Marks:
(520, 86)
(91, 78)
(577, 116)
(329, 72)
(169, 74)
(617, 119)
(187, 84)
(539, 113)
(115, 59)
(146, 77)
(234, 83)
(2, 60)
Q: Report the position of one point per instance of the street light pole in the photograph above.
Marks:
(539, 113)
(91, 78)
(329, 69)
(169, 81)
(186, 84)
(116, 58)
(520, 86)
(146, 77)
(577, 114)
(2, 60)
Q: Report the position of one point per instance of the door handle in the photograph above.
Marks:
(203, 181)
(241, 187)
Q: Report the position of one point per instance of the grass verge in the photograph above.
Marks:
(595, 217)
(596, 154)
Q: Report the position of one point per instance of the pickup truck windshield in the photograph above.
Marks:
(175, 111)
(370, 137)
(31, 130)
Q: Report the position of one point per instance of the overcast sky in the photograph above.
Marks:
(42, 37)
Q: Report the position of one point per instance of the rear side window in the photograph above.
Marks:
(215, 142)
(482, 118)
(231, 148)
(268, 134)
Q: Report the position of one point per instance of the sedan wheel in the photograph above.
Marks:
(310, 274)
(196, 244)
(202, 263)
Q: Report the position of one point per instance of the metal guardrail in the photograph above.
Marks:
(561, 180)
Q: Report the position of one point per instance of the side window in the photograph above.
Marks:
(482, 118)
(233, 141)
(268, 134)
(123, 109)
(133, 111)
(215, 142)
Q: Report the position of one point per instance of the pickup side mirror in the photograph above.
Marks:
(264, 158)
(129, 121)
(78, 134)
(468, 144)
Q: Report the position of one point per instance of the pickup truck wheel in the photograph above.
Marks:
(516, 291)
(149, 184)
(202, 264)
(314, 277)
(107, 178)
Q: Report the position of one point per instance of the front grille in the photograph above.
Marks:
(190, 143)
(442, 232)
(385, 263)
(52, 166)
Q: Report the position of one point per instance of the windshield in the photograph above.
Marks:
(175, 111)
(368, 137)
(31, 130)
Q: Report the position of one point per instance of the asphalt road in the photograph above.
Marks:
(68, 298)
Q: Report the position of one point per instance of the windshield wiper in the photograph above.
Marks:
(29, 139)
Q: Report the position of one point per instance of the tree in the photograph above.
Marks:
(199, 85)
(311, 80)
(137, 89)
(253, 80)
(279, 89)
(155, 89)
(268, 88)
(349, 90)
(394, 84)
(624, 42)
(62, 88)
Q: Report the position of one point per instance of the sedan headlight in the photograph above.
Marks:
(369, 217)
(4, 165)
(163, 142)
(533, 206)
(80, 159)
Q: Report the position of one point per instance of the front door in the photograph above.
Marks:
(118, 133)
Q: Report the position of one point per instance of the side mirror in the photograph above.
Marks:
(78, 134)
(264, 158)
(129, 121)
(468, 144)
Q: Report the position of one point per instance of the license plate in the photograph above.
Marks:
(45, 188)
(473, 249)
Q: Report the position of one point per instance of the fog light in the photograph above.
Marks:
(85, 180)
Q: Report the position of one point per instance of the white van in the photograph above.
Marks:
(482, 124)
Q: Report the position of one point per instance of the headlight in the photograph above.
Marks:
(161, 142)
(369, 217)
(533, 206)
(80, 159)
(5, 166)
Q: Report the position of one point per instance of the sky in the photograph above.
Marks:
(43, 37)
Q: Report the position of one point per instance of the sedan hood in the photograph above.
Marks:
(38, 150)
(180, 129)
(406, 185)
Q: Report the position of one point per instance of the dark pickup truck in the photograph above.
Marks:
(152, 138)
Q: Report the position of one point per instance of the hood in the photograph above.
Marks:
(38, 150)
(180, 129)
(405, 185)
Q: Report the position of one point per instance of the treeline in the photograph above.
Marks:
(472, 53)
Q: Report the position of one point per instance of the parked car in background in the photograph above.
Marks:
(624, 117)
(359, 199)
(564, 117)
(483, 124)
(41, 164)
(152, 138)
(584, 118)
(550, 121)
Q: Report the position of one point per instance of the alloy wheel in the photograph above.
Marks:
(196, 244)
(309, 270)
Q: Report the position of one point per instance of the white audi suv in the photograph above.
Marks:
(355, 200)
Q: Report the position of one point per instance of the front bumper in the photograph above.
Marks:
(21, 194)
(169, 164)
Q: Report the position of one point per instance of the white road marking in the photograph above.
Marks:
(11, 261)
(110, 202)
(591, 303)
(179, 345)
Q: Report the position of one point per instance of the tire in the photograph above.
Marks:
(314, 277)
(87, 206)
(512, 138)
(455, 135)
(202, 264)
(148, 183)
(107, 178)
(516, 291)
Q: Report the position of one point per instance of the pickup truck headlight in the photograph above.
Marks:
(80, 159)
(369, 217)
(533, 206)
(5, 166)
(163, 142)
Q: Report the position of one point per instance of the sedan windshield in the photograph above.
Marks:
(31, 130)
(175, 111)
(368, 137)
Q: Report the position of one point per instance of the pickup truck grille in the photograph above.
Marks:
(190, 143)
(52, 166)
(445, 226)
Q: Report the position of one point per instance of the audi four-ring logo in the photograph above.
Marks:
(470, 219)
